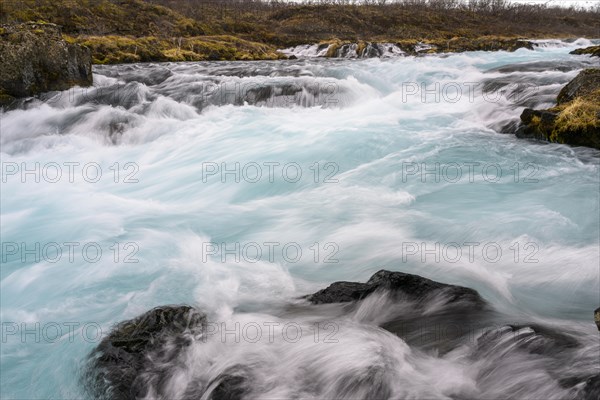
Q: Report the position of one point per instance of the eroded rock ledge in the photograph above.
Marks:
(34, 58)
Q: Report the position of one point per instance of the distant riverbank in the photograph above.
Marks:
(181, 30)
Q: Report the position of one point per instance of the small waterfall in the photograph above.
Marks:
(347, 51)
(356, 50)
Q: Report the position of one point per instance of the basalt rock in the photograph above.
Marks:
(411, 287)
(136, 354)
(34, 58)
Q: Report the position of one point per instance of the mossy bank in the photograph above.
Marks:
(575, 120)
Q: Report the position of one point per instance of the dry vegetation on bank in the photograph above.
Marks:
(160, 30)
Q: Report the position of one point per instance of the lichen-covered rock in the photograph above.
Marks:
(584, 84)
(137, 353)
(413, 287)
(593, 51)
(35, 58)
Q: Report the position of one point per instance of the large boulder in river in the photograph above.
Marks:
(411, 287)
(424, 313)
(35, 58)
(575, 120)
(137, 353)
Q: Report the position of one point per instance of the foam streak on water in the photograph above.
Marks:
(372, 129)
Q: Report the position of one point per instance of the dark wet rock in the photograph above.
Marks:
(528, 115)
(591, 390)
(585, 83)
(507, 126)
(34, 58)
(117, 95)
(597, 317)
(373, 383)
(232, 385)
(322, 46)
(412, 287)
(151, 77)
(588, 386)
(292, 57)
(371, 51)
(452, 312)
(541, 340)
(593, 51)
(536, 124)
(137, 354)
(341, 292)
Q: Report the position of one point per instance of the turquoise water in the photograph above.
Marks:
(171, 209)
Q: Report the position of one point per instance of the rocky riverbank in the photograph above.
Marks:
(35, 58)
(575, 119)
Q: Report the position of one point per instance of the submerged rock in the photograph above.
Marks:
(591, 390)
(34, 58)
(413, 287)
(230, 385)
(137, 354)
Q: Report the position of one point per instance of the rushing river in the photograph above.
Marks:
(239, 187)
